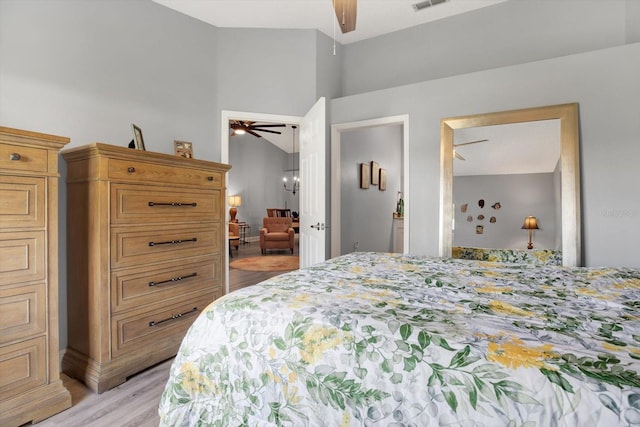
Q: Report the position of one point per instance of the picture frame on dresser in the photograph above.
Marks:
(138, 141)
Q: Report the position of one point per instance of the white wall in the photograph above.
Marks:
(605, 83)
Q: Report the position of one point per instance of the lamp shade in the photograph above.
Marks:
(530, 223)
(235, 200)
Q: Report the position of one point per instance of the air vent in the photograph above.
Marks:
(427, 3)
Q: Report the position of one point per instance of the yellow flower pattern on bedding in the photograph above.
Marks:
(388, 339)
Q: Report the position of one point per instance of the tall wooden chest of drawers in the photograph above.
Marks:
(145, 242)
(30, 386)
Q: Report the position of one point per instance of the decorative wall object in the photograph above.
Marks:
(382, 182)
(375, 173)
(183, 149)
(481, 203)
(492, 220)
(463, 208)
(364, 175)
(496, 205)
(479, 229)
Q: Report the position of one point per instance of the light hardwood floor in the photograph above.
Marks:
(135, 403)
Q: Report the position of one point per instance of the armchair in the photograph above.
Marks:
(276, 233)
(234, 235)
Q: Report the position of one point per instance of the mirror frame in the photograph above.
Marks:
(569, 169)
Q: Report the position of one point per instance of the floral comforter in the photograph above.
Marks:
(391, 340)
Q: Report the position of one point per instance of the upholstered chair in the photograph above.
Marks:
(276, 233)
(234, 231)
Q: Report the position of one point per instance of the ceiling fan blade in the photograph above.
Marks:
(253, 133)
(346, 11)
(269, 126)
(470, 142)
(266, 130)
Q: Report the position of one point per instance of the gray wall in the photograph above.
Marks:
(519, 196)
(605, 83)
(258, 168)
(509, 33)
(367, 214)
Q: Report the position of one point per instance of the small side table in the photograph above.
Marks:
(243, 226)
(232, 239)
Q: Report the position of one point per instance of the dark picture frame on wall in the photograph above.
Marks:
(375, 173)
(364, 175)
(138, 141)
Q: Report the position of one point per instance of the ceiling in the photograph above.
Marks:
(530, 147)
(374, 17)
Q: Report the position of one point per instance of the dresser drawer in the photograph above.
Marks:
(23, 366)
(22, 257)
(21, 202)
(136, 246)
(131, 170)
(23, 312)
(138, 204)
(21, 158)
(156, 329)
(136, 287)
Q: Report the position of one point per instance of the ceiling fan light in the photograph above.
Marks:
(239, 131)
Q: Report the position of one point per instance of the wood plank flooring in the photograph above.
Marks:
(135, 403)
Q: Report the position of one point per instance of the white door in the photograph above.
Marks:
(312, 183)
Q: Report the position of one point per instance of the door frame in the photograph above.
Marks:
(225, 116)
(336, 131)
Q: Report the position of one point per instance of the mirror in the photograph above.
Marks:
(567, 115)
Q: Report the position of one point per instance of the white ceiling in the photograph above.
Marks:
(530, 147)
(374, 17)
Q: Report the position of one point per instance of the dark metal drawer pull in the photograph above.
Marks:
(210, 178)
(14, 156)
(172, 204)
(173, 242)
(175, 279)
(174, 317)
(131, 169)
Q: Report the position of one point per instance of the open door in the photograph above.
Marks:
(312, 195)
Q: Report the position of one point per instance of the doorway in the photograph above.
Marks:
(336, 167)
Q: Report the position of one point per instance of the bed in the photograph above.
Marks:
(390, 340)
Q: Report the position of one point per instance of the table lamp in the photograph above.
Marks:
(530, 223)
(234, 201)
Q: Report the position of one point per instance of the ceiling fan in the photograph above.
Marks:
(346, 14)
(240, 127)
(458, 155)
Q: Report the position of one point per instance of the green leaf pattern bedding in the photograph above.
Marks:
(372, 339)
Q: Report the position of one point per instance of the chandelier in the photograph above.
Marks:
(295, 181)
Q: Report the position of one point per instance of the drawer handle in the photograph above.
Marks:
(175, 279)
(173, 242)
(15, 156)
(174, 317)
(178, 204)
(131, 169)
(210, 178)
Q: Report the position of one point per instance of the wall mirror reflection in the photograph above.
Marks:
(501, 169)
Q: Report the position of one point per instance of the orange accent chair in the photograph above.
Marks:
(276, 233)
(234, 231)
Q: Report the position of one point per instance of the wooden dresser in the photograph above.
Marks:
(30, 386)
(145, 242)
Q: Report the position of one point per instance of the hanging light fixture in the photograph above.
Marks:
(295, 185)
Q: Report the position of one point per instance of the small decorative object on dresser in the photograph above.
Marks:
(138, 142)
(145, 241)
(30, 385)
(183, 149)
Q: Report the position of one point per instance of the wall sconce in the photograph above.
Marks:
(234, 201)
(530, 223)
